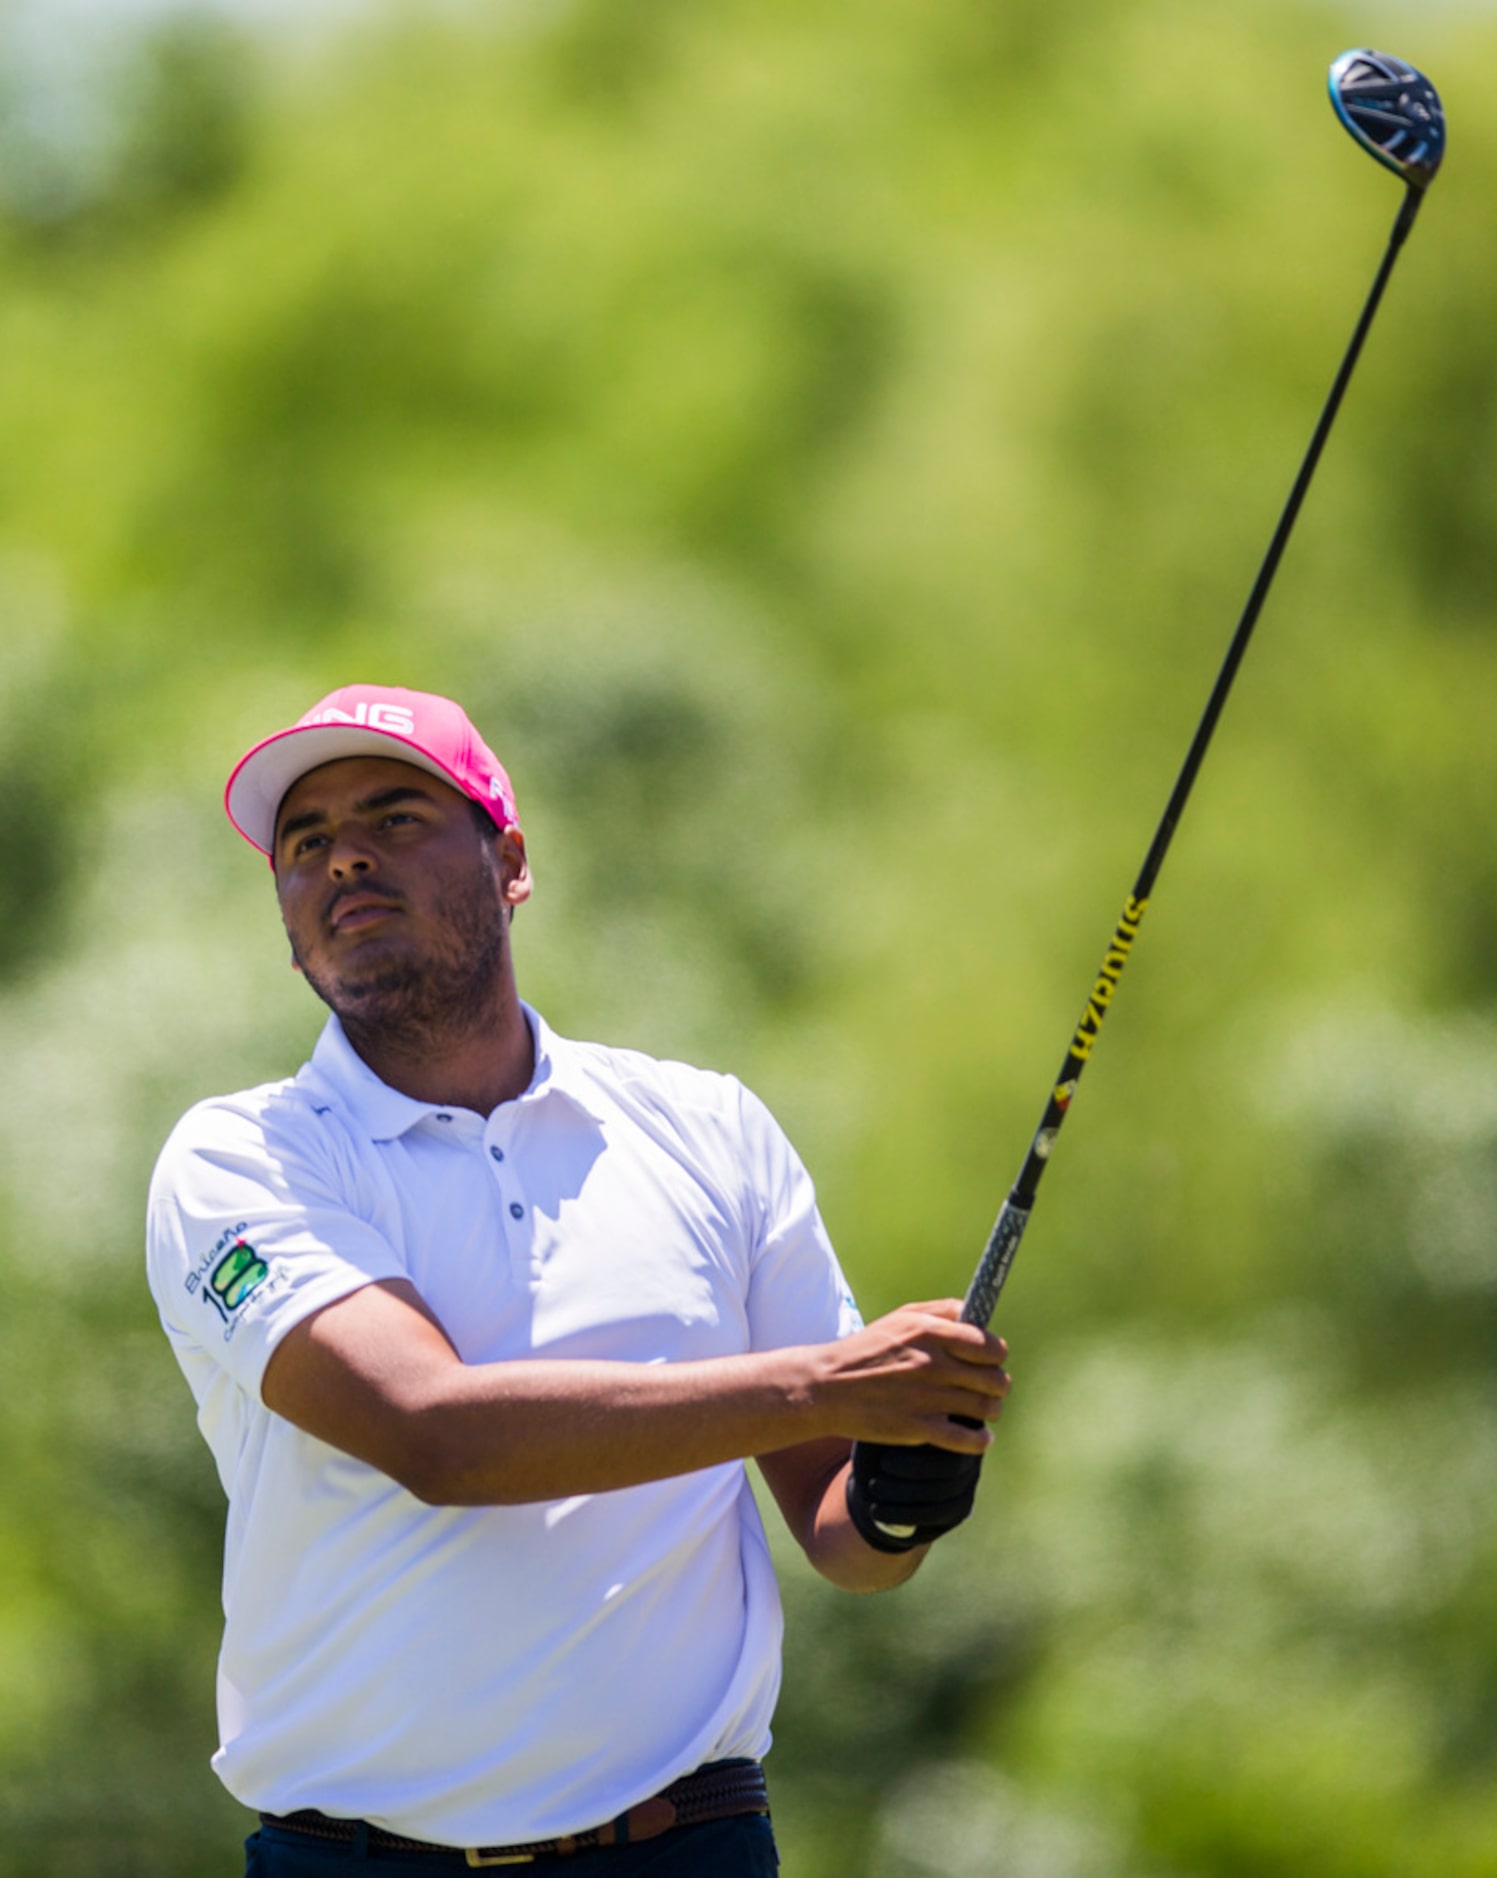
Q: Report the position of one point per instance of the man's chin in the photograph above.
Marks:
(369, 997)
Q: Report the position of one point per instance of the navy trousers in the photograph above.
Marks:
(724, 1848)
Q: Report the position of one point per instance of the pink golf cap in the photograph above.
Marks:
(368, 720)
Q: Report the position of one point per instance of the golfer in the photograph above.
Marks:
(482, 1324)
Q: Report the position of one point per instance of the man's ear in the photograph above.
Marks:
(514, 869)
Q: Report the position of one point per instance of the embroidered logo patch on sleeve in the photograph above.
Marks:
(237, 1276)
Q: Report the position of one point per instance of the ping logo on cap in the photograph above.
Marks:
(391, 717)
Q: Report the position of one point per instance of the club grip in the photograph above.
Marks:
(992, 1270)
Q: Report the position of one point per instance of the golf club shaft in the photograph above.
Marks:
(1003, 1243)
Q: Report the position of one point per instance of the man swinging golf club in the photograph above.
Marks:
(482, 1325)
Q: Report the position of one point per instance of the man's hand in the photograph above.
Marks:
(895, 1386)
(900, 1498)
(901, 1495)
(919, 1376)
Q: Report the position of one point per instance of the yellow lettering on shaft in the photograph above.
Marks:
(1112, 970)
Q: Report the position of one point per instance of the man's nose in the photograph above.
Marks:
(350, 855)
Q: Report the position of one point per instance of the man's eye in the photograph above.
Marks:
(306, 844)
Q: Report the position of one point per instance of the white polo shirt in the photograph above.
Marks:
(500, 1674)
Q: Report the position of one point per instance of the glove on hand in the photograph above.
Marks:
(920, 1492)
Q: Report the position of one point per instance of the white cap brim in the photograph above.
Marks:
(259, 785)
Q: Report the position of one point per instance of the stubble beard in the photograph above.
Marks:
(413, 1007)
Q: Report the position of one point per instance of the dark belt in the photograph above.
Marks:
(720, 1790)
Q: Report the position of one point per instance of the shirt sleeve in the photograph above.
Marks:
(257, 1217)
(797, 1291)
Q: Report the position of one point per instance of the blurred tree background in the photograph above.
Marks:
(828, 449)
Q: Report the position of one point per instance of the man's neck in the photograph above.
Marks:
(489, 1061)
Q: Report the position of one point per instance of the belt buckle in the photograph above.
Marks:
(479, 1860)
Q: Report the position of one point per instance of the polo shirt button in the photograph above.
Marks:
(444, 1118)
(516, 1211)
(498, 1153)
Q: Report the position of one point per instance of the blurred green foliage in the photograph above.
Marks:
(828, 452)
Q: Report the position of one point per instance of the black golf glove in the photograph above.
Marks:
(920, 1492)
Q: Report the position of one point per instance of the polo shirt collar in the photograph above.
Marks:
(559, 1068)
(386, 1113)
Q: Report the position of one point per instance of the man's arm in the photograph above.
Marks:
(809, 1483)
(376, 1376)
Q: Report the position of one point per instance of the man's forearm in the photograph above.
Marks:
(839, 1553)
(571, 1428)
(502, 1434)
(376, 1376)
(810, 1484)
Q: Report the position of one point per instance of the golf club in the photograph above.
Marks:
(1395, 113)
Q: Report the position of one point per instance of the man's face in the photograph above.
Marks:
(396, 905)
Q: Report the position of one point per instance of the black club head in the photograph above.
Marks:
(1392, 111)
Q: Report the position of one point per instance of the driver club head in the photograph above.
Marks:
(1393, 111)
